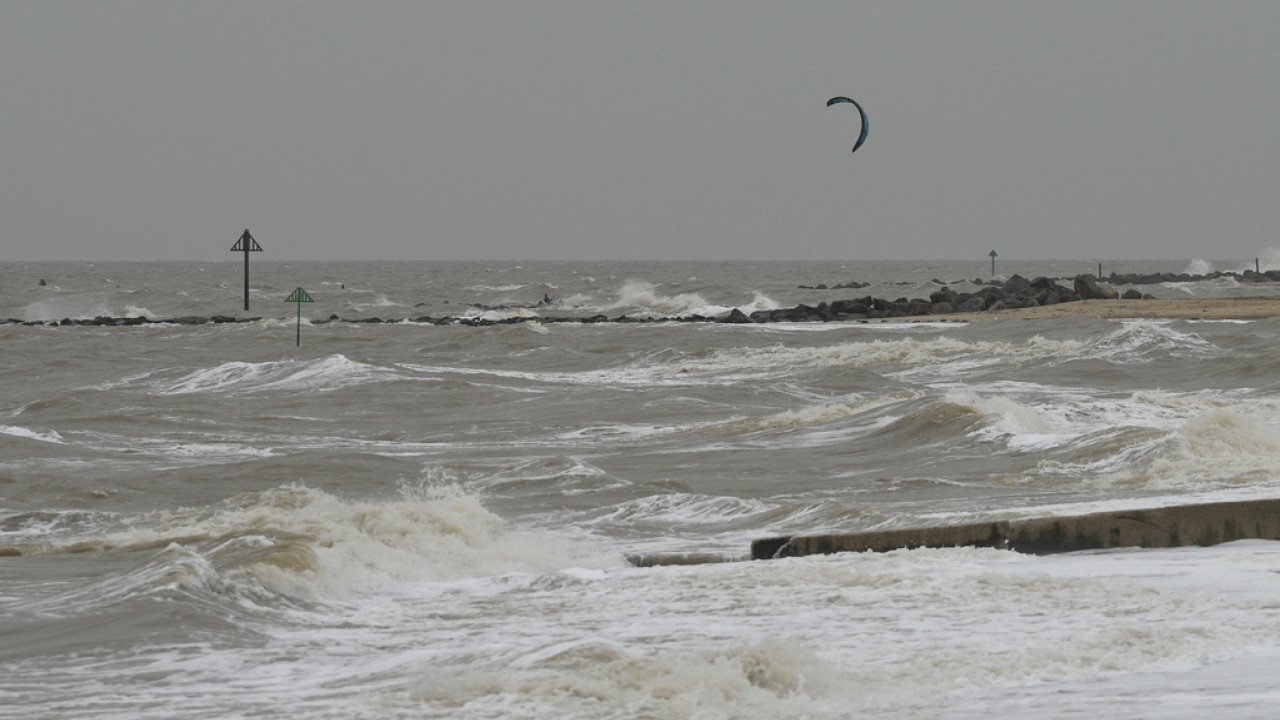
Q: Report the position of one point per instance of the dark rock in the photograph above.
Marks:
(920, 307)
(736, 316)
(799, 313)
(849, 307)
(989, 296)
(945, 295)
(1089, 288)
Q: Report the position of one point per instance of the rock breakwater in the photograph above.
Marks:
(1015, 292)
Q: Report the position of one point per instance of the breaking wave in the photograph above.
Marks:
(329, 373)
(304, 543)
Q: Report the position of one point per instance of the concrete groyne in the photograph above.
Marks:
(1177, 526)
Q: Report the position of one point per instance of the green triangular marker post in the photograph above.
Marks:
(299, 296)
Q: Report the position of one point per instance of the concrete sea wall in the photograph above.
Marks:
(1203, 524)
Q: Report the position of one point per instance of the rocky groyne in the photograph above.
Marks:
(1016, 292)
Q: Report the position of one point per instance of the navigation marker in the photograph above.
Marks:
(246, 244)
(992, 254)
(298, 296)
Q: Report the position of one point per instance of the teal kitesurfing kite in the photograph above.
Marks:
(863, 137)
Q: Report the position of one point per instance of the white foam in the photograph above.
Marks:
(759, 302)
(639, 294)
(1199, 266)
(1024, 427)
(329, 373)
(499, 315)
(1143, 341)
(908, 633)
(50, 436)
(941, 357)
(806, 416)
(285, 322)
(430, 533)
(1222, 447)
(59, 307)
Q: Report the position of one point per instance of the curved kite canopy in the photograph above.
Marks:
(863, 137)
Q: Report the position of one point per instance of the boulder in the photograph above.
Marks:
(1088, 288)
(1016, 282)
(849, 307)
(945, 295)
(990, 296)
(920, 307)
(736, 316)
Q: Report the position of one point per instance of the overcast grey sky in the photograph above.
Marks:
(639, 130)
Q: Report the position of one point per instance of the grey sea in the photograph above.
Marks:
(289, 518)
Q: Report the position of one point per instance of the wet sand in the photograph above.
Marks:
(1188, 309)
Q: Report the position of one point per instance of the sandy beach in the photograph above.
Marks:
(1190, 308)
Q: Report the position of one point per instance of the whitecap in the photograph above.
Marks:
(50, 436)
(329, 373)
